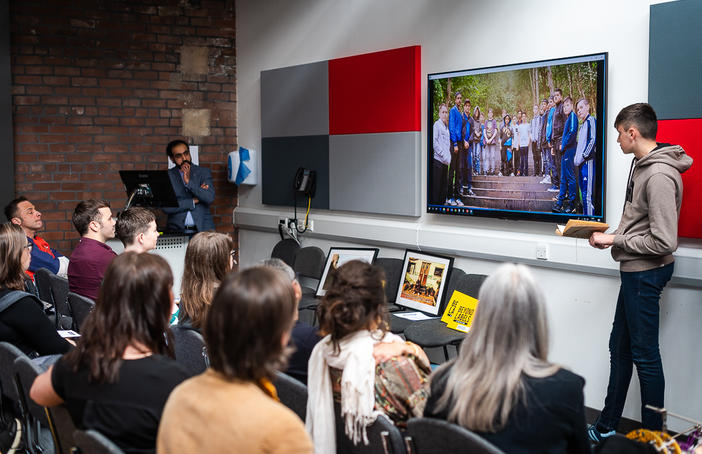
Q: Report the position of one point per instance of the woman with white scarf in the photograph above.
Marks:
(342, 366)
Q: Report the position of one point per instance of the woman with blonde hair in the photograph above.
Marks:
(208, 258)
(22, 319)
(502, 385)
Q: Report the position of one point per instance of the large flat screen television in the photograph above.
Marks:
(521, 141)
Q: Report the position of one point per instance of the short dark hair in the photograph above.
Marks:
(86, 212)
(458, 93)
(466, 101)
(173, 143)
(558, 90)
(132, 222)
(641, 116)
(11, 208)
(569, 99)
(244, 327)
(354, 301)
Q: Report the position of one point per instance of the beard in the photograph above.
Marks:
(184, 161)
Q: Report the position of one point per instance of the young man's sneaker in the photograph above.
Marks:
(596, 436)
(553, 189)
(459, 203)
(10, 437)
(546, 180)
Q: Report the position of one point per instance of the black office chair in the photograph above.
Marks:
(383, 437)
(285, 250)
(308, 267)
(292, 394)
(80, 306)
(38, 437)
(190, 349)
(93, 442)
(393, 275)
(41, 280)
(8, 354)
(59, 298)
(62, 428)
(436, 436)
(434, 333)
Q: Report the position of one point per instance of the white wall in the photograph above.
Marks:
(582, 283)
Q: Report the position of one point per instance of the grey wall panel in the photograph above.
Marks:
(375, 173)
(295, 101)
(280, 159)
(675, 59)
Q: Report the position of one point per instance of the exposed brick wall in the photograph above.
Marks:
(100, 86)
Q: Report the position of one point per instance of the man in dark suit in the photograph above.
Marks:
(194, 190)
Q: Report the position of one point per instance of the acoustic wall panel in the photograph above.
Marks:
(376, 92)
(675, 62)
(295, 101)
(675, 59)
(686, 134)
(280, 159)
(377, 173)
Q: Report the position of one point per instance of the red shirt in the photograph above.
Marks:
(87, 267)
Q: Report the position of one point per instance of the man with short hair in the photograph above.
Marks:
(94, 222)
(585, 155)
(194, 190)
(136, 229)
(535, 134)
(441, 144)
(304, 337)
(455, 126)
(22, 212)
(567, 200)
(556, 136)
(643, 244)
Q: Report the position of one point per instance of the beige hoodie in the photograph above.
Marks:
(647, 234)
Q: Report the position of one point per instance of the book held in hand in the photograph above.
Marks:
(580, 229)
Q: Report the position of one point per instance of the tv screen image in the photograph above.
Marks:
(522, 141)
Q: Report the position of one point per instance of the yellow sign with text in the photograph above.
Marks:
(460, 311)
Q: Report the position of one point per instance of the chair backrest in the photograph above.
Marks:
(8, 354)
(26, 372)
(62, 428)
(292, 394)
(470, 284)
(190, 349)
(436, 436)
(93, 442)
(59, 293)
(285, 250)
(309, 262)
(80, 308)
(393, 274)
(41, 280)
(383, 437)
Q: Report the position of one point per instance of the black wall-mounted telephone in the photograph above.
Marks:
(305, 181)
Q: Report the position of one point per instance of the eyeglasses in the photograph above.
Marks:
(28, 246)
(181, 155)
(232, 254)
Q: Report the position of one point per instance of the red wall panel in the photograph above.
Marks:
(686, 133)
(376, 92)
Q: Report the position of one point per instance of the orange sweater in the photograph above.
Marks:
(209, 413)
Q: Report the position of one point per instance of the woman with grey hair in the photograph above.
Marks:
(502, 385)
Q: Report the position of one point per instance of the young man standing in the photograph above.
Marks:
(442, 157)
(491, 145)
(555, 138)
(22, 212)
(455, 126)
(643, 244)
(466, 158)
(535, 134)
(524, 138)
(585, 155)
(94, 222)
(569, 184)
(136, 229)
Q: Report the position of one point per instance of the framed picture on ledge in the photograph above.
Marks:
(338, 256)
(424, 279)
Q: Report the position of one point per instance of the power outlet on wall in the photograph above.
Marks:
(542, 251)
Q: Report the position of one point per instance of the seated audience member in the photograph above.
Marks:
(513, 396)
(22, 319)
(22, 212)
(136, 229)
(355, 362)
(304, 337)
(233, 406)
(208, 258)
(119, 376)
(94, 222)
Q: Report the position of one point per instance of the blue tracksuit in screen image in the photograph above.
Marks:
(569, 183)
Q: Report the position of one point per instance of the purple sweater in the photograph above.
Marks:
(87, 267)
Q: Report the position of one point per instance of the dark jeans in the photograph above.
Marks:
(557, 155)
(467, 169)
(634, 340)
(439, 173)
(568, 183)
(536, 154)
(453, 173)
(524, 160)
(506, 166)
